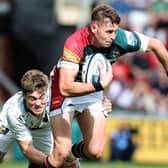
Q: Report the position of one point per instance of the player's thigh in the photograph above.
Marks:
(2, 155)
(92, 124)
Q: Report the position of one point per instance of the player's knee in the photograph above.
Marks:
(95, 151)
(64, 149)
(64, 153)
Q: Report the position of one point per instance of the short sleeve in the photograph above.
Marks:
(17, 126)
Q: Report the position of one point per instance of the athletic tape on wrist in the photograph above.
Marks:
(97, 86)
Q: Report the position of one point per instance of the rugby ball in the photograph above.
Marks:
(90, 68)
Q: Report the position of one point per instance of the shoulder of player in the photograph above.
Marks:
(78, 36)
(13, 106)
(13, 100)
(128, 40)
(75, 44)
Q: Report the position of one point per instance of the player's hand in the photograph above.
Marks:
(71, 164)
(105, 77)
(107, 105)
(47, 164)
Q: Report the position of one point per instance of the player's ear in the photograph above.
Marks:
(93, 28)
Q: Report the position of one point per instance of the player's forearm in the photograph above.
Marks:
(35, 156)
(162, 55)
(77, 89)
(160, 51)
(73, 88)
(31, 153)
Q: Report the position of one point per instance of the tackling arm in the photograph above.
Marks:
(31, 153)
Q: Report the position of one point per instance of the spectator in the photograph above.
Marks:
(122, 146)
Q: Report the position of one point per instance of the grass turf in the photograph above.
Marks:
(23, 164)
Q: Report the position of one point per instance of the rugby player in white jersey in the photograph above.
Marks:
(25, 119)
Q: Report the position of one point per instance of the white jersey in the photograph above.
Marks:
(19, 124)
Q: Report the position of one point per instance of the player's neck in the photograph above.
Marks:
(28, 110)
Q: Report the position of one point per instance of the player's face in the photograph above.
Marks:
(36, 102)
(104, 33)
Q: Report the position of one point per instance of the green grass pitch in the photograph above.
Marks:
(23, 164)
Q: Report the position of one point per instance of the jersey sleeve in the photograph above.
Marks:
(16, 125)
(131, 41)
(144, 41)
(73, 48)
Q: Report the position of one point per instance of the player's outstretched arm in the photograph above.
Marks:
(31, 153)
(160, 51)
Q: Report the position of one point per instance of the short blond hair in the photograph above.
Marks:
(34, 80)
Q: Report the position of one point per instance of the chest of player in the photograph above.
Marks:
(124, 42)
(33, 122)
(112, 53)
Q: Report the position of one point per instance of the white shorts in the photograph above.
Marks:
(66, 107)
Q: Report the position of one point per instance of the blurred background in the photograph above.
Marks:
(32, 34)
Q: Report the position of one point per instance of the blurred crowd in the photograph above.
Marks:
(140, 83)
